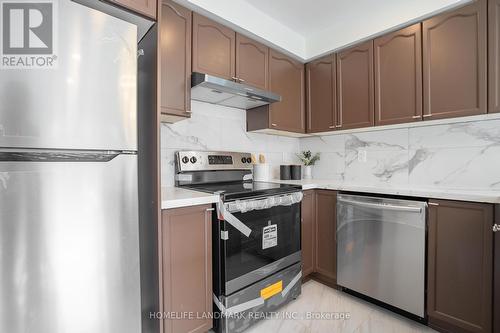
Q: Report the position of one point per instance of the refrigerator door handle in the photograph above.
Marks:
(10, 155)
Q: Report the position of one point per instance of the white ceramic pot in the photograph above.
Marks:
(307, 172)
(261, 172)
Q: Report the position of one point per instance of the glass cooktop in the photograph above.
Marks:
(240, 190)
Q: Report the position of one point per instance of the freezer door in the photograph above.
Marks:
(381, 249)
(69, 246)
(89, 100)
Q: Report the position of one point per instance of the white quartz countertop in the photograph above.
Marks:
(174, 197)
(451, 194)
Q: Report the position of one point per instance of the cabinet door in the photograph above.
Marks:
(307, 233)
(186, 250)
(252, 61)
(144, 7)
(398, 77)
(326, 239)
(321, 94)
(460, 266)
(175, 57)
(355, 90)
(213, 48)
(454, 63)
(494, 55)
(286, 78)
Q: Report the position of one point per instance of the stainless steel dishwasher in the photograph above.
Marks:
(381, 249)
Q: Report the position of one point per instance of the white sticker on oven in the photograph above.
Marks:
(269, 236)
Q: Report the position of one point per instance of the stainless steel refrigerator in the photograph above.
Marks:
(69, 233)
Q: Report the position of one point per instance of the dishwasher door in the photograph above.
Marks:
(381, 249)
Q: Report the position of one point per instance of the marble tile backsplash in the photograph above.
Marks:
(450, 156)
(219, 128)
(463, 155)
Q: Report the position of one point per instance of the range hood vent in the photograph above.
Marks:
(212, 89)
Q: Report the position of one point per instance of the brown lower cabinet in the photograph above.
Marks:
(460, 266)
(319, 246)
(186, 267)
(308, 232)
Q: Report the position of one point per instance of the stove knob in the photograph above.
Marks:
(193, 159)
(243, 160)
(185, 159)
(249, 160)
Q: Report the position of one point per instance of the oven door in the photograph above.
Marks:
(271, 241)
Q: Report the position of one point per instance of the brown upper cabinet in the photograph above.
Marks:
(460, 266)
(398, 76)
(494, 56)
(454, 62)
(321, 95)
(286, 78)
(308, 230)
(143, 7)
(175, 61)
(186, 259)
(355, 91)
(326, 239)
(214, 50)
(252, 59)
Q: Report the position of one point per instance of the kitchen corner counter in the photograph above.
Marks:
(447, 194)
(174, 197)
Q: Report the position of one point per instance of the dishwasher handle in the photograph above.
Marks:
(405, 208)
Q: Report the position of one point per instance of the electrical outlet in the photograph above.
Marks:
(362, 156)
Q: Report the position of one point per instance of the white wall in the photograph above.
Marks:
(220, 128)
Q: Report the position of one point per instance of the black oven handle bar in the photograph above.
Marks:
(225, 210)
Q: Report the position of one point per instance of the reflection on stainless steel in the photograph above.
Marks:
(381, 249)
(69, 251)
(93, 87)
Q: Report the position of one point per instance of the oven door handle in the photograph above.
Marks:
(243, 206)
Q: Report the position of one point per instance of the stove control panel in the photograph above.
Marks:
(206, 161)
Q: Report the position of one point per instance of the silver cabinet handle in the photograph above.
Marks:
(417, 117)
(274, 125)
(234, 78)
(433, 204)
(427, 115)
(496, 227)
(210, 209)
(333, 126)
(381, 206)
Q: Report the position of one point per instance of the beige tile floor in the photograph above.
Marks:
(316, 297)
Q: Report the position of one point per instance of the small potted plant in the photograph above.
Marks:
(309, 160)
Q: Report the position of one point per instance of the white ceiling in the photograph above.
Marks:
(308, 29)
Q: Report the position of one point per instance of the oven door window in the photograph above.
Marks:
(275, 235)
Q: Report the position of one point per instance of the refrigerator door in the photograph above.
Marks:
(69, 245)
(89, 100)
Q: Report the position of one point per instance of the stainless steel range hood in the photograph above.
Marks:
(211, 89)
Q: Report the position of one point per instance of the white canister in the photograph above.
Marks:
(261, 172)
(307, 172)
